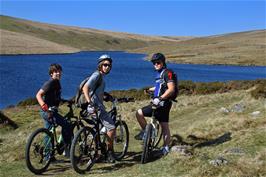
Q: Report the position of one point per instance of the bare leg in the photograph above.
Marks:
(141, 119)
(166, 133)
(110, 134)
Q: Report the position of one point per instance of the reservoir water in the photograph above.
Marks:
(21, 76)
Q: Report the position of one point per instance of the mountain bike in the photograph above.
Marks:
(43, 143)
(89, 142)
(152, 136)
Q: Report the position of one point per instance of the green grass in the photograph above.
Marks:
(197, 115)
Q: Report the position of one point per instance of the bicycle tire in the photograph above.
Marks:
(147, 144)
(121, 140)
(83, 150)
(40, 149)
(158, 138)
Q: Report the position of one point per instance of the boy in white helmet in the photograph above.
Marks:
(94, 93)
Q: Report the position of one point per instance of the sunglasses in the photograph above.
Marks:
(105, 65)
(156, 63)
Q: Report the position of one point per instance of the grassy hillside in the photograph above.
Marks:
(243, 48)
(19, 36)
(75, 37)
(237, 136)
(14, 43)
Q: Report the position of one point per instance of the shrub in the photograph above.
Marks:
(137, 94)
(4, 120)
(28, 102)
(207, 88)
(186, 87)
(259, 92)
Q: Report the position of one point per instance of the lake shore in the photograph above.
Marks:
(257, 89)
(169, 60)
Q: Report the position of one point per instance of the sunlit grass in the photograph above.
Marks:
(197, 115)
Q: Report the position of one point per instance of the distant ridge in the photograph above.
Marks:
(19, 36)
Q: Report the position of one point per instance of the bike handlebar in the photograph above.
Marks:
(53, 109)
(125, 100)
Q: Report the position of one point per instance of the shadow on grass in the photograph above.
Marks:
(61, 166)
(199, 142)
(57, 167)
(214, 142)
(131, 159)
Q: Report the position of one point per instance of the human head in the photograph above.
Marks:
(158, 58)
(55, 71)
(105, 63)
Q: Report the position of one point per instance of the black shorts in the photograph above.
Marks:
(161, 113)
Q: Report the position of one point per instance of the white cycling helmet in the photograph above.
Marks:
(105, 57)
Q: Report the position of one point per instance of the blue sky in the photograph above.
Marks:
(169, 18)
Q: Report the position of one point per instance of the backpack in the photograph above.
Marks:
(174, 77)
(80, 100)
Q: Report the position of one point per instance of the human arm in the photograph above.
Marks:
(169, 92)
(86, 91)
(40, 100)
(39, 96)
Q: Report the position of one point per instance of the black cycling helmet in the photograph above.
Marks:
(158, 57)
(105, 57)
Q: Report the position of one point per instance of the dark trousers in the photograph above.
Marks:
(67, 132)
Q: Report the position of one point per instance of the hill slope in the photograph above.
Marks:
(237, 136)
(243, 48)
(80, 38)
(14, 43)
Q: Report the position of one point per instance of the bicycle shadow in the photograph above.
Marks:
(63, 165)
(58, 167)
(131, 159)
(199, 142)
(134, 158)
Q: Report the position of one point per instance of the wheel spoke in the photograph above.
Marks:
(121, 140)
(83, 150)
(39, 150)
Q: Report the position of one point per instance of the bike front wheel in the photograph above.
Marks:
(83, 150)
(121, 140)
(39, 150)
(158, 136)
(147, 144)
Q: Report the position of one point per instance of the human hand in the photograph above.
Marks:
(107, 97)
(148, 91)
(157, 102)
(91, 109)
(44, 107)
(50, 116)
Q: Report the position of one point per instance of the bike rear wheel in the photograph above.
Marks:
(121, 140)
(83, 150)
(147, 145)
(39, 150)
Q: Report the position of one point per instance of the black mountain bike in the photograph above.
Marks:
(90, 141)
(152, 137)
(43, 143)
